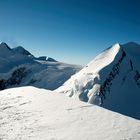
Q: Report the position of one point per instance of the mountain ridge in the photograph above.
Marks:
(110, 80)
(18, 67)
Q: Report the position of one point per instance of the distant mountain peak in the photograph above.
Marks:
(20, 47)
(21, 50)
(4, 46)
(18, 67)
(51, 59)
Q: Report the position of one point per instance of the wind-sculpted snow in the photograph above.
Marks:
(30, 113)
(111, 80)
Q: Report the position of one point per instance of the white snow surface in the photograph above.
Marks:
(111, 80)
(29, 113)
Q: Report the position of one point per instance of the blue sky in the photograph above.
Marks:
(72, 31)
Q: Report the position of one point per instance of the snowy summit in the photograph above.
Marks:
(111, 80)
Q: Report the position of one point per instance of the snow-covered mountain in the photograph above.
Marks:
(111, 80)
(29, 113)
(18, 67)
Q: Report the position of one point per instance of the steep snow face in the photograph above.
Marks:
(90, 73)
(103, 59)
(111, 80)
(18, 67)
(30, 113)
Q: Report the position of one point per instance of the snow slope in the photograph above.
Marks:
(30, 113)
(18, 67)
(111, 80)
